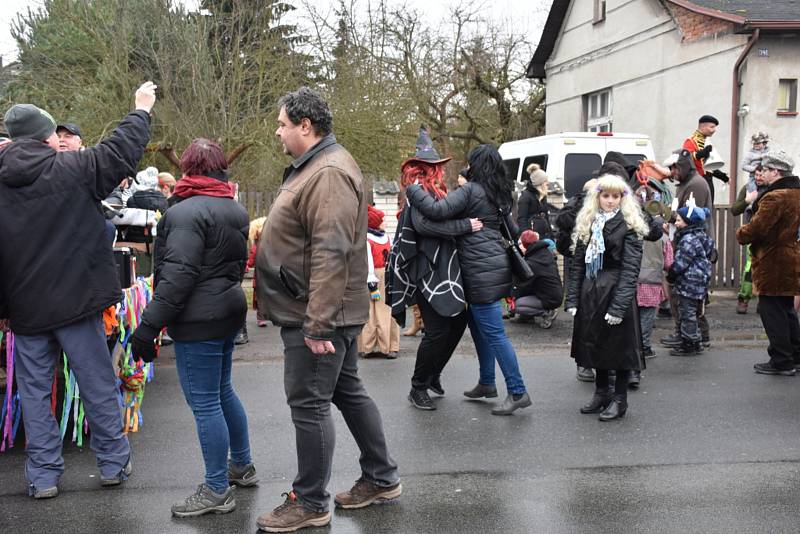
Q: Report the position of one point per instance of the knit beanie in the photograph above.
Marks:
(612, 167)
(374, 217)
(26, 121)
(537, 175)
(697, 218)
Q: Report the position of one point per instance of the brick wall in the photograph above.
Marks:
(694, 26)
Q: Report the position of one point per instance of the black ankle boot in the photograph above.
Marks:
(241, 338)
(687, 348)
(599, 401)
(615, 410)
(634, 379)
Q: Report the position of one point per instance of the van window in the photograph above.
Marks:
(512, 168)
(634, 159)
(578, 169)
(541, 160)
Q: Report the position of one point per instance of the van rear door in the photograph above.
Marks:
(578, 169)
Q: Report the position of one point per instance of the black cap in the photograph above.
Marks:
(708, 118)
(70, 127)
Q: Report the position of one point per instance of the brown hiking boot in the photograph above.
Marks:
(291, 516)
(363, 493)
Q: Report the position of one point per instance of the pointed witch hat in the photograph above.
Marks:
(425, 151)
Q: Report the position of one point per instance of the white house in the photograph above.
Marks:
(656, 66)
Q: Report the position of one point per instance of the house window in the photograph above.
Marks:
(787, 95)
(597, 107)
(599, 11)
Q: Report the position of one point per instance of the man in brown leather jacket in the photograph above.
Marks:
(312, 282)
(774, 238)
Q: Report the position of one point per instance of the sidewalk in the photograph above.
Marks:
(728, 329)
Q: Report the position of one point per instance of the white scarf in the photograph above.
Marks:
(597, 245)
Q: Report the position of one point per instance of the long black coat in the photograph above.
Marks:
(595, 343)
(56, 265)
(485, 264)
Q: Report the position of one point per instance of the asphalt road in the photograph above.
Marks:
(707, 446)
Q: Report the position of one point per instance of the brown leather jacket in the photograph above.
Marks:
(773, 234)
(312, 257)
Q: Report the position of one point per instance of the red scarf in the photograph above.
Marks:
(190, 186)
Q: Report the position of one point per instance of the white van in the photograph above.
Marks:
(570, 158)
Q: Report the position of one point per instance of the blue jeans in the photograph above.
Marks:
(204, 370)
(491, 342)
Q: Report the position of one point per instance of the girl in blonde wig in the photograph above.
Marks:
(601, 292)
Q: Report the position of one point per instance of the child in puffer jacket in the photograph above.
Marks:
(690, 273)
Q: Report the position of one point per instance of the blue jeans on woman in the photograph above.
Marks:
(491, 342)
(204, 370)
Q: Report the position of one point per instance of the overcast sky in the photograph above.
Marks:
(527, 15)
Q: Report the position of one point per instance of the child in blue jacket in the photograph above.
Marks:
(690, 273)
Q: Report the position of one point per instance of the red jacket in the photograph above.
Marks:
(379, 247)
(692, 146)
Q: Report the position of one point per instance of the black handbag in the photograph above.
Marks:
(519, 267)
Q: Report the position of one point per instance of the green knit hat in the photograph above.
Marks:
(26, 121)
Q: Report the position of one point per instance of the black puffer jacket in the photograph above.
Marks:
(56, 266)
(565, 223)
(534, 213)
(485, 265)
(200, 258)
(546, 282)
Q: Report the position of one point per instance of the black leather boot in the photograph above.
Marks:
(481, 391)
(241, 338)
(687, 348)
(615, 410)
(634, 379)
(599, 401)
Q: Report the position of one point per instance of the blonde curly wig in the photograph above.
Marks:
(631, 211)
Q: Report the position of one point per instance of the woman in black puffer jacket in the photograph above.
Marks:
(485, 268)
(200, 257)
(533, 210)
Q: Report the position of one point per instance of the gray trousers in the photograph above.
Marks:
(312, 382)
(647, 320)
(84, 342)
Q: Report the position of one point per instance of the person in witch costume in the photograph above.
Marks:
(601, 292)
(424, 269)
(200, 257)
(486, 268)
